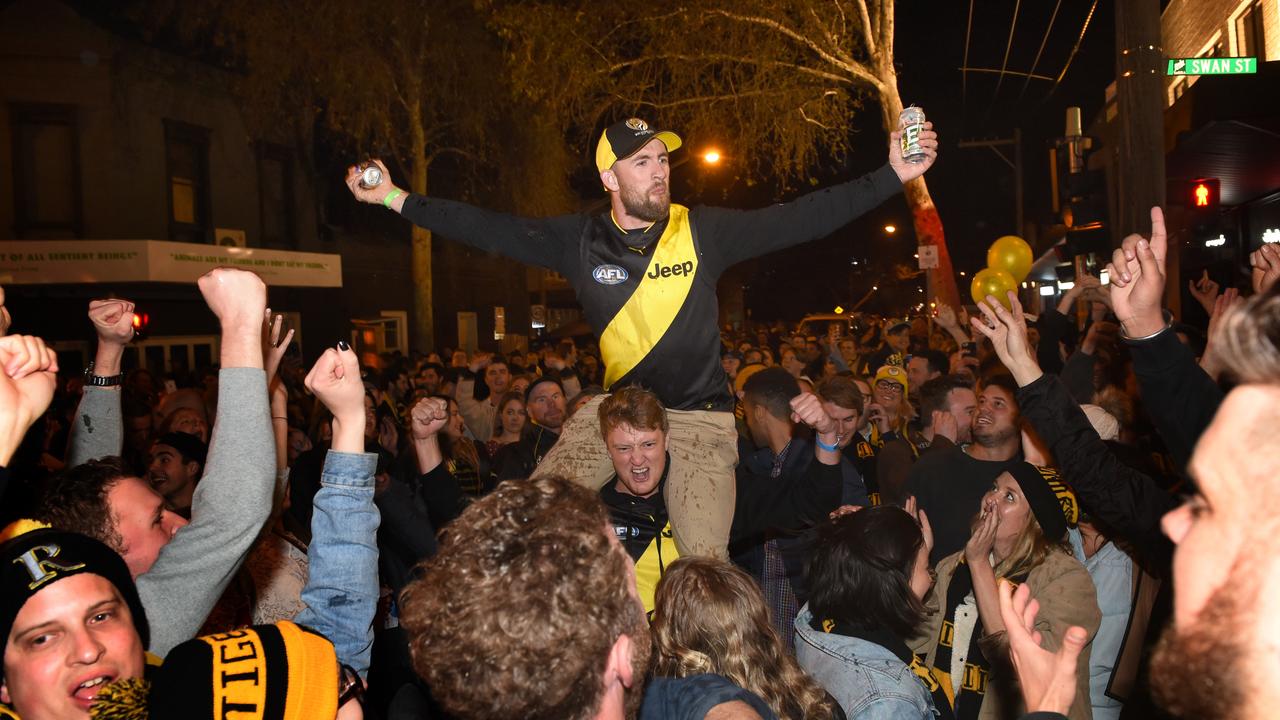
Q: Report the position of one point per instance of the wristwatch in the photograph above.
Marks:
(101, 380)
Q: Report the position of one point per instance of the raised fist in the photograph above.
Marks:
(428, 416)
(235, 296)
(112, 320)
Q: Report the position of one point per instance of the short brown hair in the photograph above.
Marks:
(632, 406)
(1249, 340)
(516, 615)
(76, 500)
(841, 391)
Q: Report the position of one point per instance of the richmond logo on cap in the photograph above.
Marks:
(639, 126)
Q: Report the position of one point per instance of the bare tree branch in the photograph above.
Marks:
(847, 64)
(868, 37)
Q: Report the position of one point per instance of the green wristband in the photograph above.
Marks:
(391, 197)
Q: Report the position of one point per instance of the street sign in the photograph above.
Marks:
(1213, 66)
(928, 256)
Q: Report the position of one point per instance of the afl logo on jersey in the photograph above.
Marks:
(609, 274)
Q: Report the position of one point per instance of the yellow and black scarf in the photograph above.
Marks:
(966, 704)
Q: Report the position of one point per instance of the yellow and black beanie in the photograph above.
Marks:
(34, 557)
(273, 672)
(1051, 500)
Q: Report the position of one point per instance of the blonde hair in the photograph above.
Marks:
(710, 617)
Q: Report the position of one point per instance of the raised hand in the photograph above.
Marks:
(1210, 362)
(1048, 680)
(335, 381)
(1265, 262)
(982, 539)
(807, 408)
(1137, 271)
(237, 297)
(944, 425)
(910, 171)
(1204, 290)
(480, 361)
(914, 510)
(1007, 331)
(427, 417)
(373, 195)
(112, 320)
(945, 315)
(27, 382)
(273, 348)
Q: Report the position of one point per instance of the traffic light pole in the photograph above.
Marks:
(1140, 96)
(1015, 165)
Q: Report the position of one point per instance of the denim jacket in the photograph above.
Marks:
(342, 581)
(868, 681)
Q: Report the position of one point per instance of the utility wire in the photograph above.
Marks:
(1008, 47)
(1074, 50)
(1043, 41)
(964, 75)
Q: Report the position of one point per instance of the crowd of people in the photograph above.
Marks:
(965, 514)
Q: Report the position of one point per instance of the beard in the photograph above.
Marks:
(1202, 671)
(641, 653)
(991, 435)
(641, 204)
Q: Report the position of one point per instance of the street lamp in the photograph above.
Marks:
(891, 229)
(711, 157)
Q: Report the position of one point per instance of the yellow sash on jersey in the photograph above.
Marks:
(653, 563)
(651, 309)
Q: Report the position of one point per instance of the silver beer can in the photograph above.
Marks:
(370, 176)
(911, 124)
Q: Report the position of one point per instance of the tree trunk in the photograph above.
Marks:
(924, 216)
(423, 337)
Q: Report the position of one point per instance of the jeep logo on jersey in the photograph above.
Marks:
(683, 268)
(610, 274)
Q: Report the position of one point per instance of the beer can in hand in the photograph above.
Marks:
(370, 175)
(911, 124)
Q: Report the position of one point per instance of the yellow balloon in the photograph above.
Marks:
(1011, 254)
(991, 281)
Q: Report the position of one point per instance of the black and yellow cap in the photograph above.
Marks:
(625, 137)
(1051, 499)
(33, 557)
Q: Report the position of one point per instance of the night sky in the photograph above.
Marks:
(972, 188)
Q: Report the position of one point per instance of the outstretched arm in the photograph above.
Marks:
(541, 242)
(735, 235)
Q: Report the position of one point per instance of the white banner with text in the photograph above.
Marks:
(39, 262)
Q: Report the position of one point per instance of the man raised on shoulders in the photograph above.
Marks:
(645, 273)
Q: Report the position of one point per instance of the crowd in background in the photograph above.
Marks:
(898, 478)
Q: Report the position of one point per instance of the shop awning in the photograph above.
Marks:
(42, 262)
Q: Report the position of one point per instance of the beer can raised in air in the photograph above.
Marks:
(911, 123)
(370, 175)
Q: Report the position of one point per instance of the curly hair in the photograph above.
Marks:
(710, 617)
(516, 615)
(76, 500)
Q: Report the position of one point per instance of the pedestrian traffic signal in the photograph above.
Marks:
(1204, 194)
